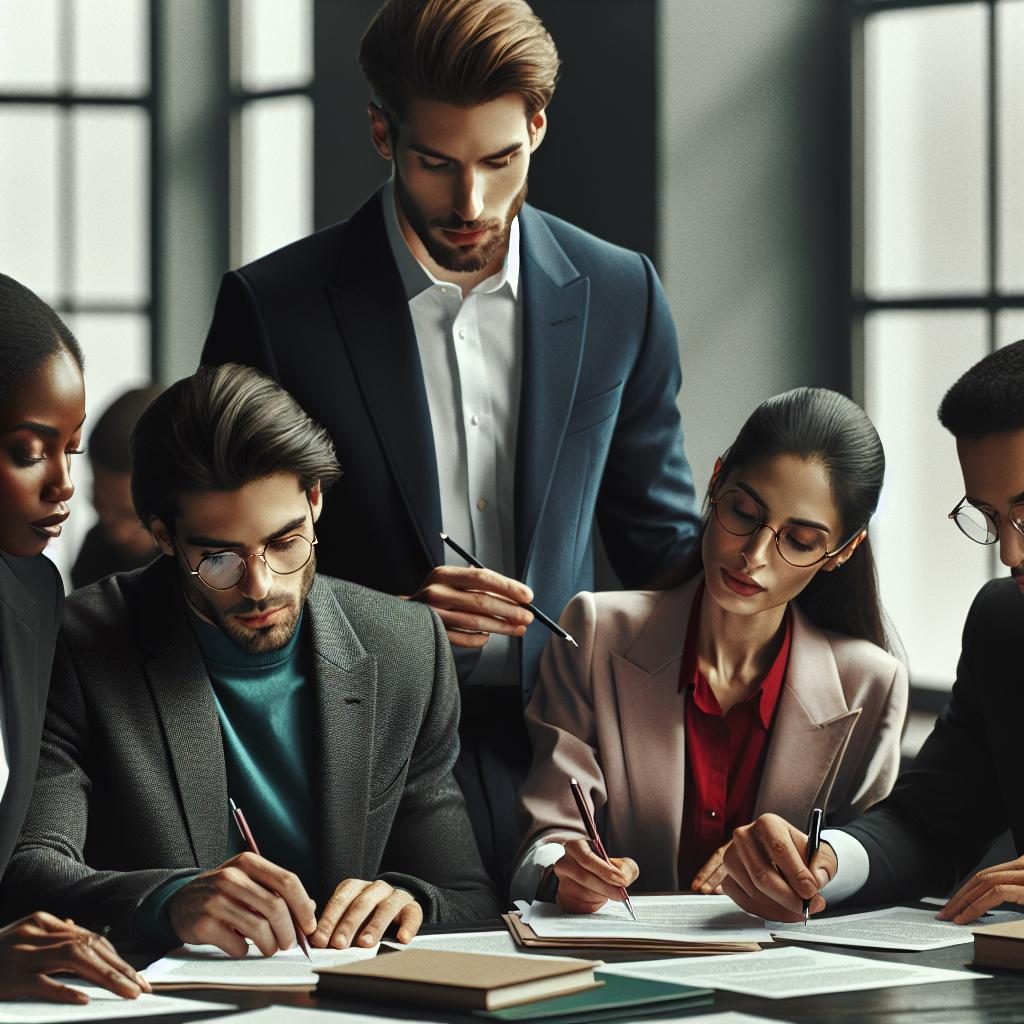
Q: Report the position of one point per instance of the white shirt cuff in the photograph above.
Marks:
(531, 867)
(853, 866)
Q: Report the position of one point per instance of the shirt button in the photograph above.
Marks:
(462, 333)
(482, 504)
(712, 814)
(475, 420)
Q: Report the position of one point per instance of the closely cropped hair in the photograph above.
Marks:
(218, 430)
(462, 52)
(826, 427)
(30, 333)
(989, 397)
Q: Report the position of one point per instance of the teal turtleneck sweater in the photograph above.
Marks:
(265, 706)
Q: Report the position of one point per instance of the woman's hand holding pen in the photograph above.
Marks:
(40, 945)
(586, 882)
(473, 603)
(767, 874)
(247, 897)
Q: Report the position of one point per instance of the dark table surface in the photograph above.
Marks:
(995, 1000)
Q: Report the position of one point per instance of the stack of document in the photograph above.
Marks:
(670, 925)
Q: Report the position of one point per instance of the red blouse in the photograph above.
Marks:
(724, 753)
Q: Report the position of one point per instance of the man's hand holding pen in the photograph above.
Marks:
(767, 874)
(586, 881)
(473, 603)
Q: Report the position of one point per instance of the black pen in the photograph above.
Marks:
(537, 613)
(813, 843)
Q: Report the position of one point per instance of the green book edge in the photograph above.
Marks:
(619, 992)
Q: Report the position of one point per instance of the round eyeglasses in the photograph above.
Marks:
(225, 569)
(802, 546)
(982, 526)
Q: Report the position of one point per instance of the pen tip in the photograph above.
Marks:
(234, 806)
(444, 536)
(574, 782)
(573, 642)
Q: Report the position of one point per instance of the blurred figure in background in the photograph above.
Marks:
(118, 542)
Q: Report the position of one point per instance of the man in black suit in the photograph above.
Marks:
(966, 786)
(484, 369)
(229, 667)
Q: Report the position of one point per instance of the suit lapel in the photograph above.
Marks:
(373, 319)
(188, 714)
(345, 694)
(812, 728)
(555, 306)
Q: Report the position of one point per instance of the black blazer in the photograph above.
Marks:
(31, 595)
(966, 786)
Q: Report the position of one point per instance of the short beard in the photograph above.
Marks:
(452, 257)
(258, 641)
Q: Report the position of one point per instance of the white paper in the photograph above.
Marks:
(208, 965)
(788, 972)
(468, 942)
(903, 928)
(673, 918)
(727, 1017)
(102, 1005)
(300, 1015)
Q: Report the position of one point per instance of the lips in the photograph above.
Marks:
(260, 620)
(50, 526)
(741, 585)
(465, 237)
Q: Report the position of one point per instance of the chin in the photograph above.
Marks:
(25, 546)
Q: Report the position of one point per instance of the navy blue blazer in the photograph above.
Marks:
(31, 597)
(599, 438)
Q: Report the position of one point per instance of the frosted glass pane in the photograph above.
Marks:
(111, 196)
(111, 46)
(277, 173)
(277, 43)
(929, 573)
(29, 43)
(116, 348)
(1009, 326)
(1010, 28)
(29, 240)
(924, 150)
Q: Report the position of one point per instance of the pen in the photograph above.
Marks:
(813, 842)
(595, 839)
(537, 613)
(247, 838)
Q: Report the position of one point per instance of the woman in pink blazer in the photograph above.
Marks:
(759, 680)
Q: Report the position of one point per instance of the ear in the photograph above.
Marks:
(538, 129)
(316, 500)
(380, 130)
(162, 536)
(837, 560)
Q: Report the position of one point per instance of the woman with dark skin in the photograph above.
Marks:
(42, 409)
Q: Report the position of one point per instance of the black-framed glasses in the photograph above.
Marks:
(982, 526)
(802, 546)
(283, 556)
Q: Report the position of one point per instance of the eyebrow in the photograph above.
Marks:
(39, 428)
(1016, 499)
(437, 155)
(213, 542)
(796, 522)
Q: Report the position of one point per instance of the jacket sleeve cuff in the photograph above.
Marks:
(151, 922)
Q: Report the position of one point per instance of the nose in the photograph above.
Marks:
(1011, 545)
(756, 548)
(58, 487)
(255, 584)
(468, 201)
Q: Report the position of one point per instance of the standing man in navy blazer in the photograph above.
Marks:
(484, 369)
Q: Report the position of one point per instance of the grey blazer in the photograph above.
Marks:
(131, 789)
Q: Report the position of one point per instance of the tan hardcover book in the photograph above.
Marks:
(473, 981)
(1000, 945)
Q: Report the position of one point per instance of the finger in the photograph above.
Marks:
(760, 856)
(106, 952)
(369, 934)
(335, 907)
(409, 920)
(467, 608)
(627, 867)
(747, 896)
(214, 932)
(79, 956)
(460, 577)
(253, 911)
(579, 852)
(962, 898)
(711, 867)
(989, 898)
(460, 638)
(286, 885)
(575, 899)
(359, 911)
(52, 991)
(589, 886)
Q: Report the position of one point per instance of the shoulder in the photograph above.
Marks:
(38, 575)
(111, 605)
(863, 667)
(383, 622)
(997, 612)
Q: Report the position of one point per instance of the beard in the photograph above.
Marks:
(459, 259)
(266, 638)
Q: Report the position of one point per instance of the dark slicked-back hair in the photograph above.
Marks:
(30, 333)
(989, 397)
(218, 430)
(462, 52)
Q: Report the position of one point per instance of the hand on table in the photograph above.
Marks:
(586, 882)
(247, 897)
(360, 912)
(473, 603)
(41, 944)
(767, 875)
(1002, 883)
(710, 877)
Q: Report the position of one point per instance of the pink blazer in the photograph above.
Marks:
(610, 714)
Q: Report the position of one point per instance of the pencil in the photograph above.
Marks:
(247, 838)
(537, 613)
(595, 839)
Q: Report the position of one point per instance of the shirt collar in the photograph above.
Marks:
(415, 276)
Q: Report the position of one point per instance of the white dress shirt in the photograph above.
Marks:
(5, 768)
(471, 355)
(853, 869)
